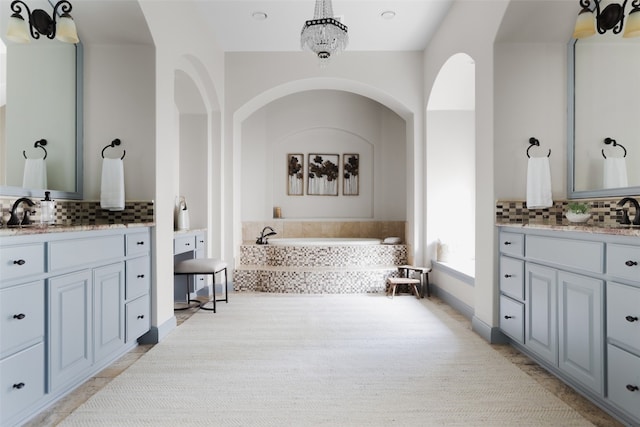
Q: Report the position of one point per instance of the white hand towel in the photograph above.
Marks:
(35, 173)
(539, 183)
(615, 172)
(112, 189)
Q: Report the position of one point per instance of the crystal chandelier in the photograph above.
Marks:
(324, 35)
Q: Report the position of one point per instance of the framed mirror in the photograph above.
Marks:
(603, 127)
(43, 81)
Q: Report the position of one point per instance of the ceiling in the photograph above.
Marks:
(236, 30)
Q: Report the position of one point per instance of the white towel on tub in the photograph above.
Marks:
(112, 186)
(35, 173)
(615, 172)
(539, 183)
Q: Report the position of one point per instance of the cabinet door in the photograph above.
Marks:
(541, 335)
(108, 305)
(581, 335)
(70, 326)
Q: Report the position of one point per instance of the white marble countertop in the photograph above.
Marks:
(63, 228)
(619, 230)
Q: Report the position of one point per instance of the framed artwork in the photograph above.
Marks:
(323, 173)
(295, 174)
(350, 175)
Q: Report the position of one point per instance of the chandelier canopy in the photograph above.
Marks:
(324, 35)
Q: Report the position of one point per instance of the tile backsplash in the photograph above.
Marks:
(83, 212)
(603, 212)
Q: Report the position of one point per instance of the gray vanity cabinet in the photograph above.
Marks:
(70, 304)
(581, 307)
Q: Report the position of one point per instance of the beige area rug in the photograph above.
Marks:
(325, 360)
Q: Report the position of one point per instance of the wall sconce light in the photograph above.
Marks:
(609, 18)
(61, 26)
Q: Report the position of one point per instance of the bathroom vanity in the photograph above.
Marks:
(571, 301)
(72, 301)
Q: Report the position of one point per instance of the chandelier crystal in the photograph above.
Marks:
(324, 35)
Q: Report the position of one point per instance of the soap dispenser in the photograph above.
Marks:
(47, 210)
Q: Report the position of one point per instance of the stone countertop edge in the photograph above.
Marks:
(189, 231)
(585, 228)
(43, 229)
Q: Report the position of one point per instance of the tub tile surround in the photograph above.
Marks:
(84, 212)
(604, 214)
(291, 228)
(317, 269)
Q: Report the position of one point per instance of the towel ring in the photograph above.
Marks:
(114, 143)
(41, 143)
(534, 141)
(608, 141)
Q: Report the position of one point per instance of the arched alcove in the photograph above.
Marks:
(450, 178)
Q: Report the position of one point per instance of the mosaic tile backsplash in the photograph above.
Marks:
(604, 212)
(81, 212)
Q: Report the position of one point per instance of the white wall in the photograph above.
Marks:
(531, 100)
(119, 102)
(324, 122)
(448, 41)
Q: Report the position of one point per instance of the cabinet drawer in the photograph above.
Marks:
(184, 244)
(623, 261)
(138, 318)
(512, 318)
(512, 277)
(22, 320)
(21, 381)
(201, 242)
(138, 243)
(623, 314)
(21, 261)
(79, 252)
(512, 244)
(583, 255)
(624, 380)
(137, 283)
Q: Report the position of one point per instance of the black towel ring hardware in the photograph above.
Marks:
(41, 143)
(114, 143)
(534, 141)
(608, 141)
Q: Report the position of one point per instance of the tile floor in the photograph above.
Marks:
(57, 412)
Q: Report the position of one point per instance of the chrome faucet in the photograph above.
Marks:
(262, 240)
(14, 220)
(625, 217)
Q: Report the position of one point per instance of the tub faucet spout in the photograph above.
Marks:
(262, 240)
(14, 220)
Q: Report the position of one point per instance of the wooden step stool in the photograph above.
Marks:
(393, 282)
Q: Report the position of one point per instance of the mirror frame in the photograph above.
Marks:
(572, 193)
(7, 190)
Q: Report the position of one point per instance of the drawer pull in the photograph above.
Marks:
(187, 244)
(21, 385)
(140, 243)
(632, 387)
(508, 317)
(141, 316)
(20, 262)
(632, 318)
(631, 263)
(507, 243)
(19, 316)
(201, 241)
(506, 276)
(140, 276)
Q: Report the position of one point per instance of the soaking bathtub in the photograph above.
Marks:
(323, 241)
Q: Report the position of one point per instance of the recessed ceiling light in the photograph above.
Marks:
(388, 14)
(259, 16)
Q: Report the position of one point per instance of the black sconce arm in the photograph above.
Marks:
(40, 23)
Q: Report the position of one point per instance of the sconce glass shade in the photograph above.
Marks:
(66, 29)
(585, 25)
(18, 29)
(632, 28)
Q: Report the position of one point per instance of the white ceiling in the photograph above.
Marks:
(236, 31)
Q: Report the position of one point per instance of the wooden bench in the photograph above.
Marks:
(404, 271)
(393, 282)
